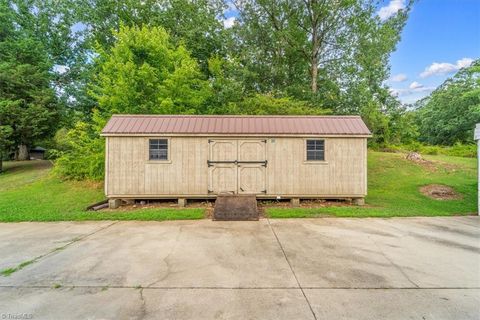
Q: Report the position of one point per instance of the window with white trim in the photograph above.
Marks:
(158, 149)
(315, 150)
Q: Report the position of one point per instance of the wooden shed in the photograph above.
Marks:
(178, 156)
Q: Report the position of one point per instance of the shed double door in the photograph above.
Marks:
(237, 166)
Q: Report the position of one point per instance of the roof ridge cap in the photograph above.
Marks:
(233, 116)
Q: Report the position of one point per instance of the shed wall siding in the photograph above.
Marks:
(131, 174)
(342, 173)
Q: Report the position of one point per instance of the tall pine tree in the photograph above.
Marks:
(28, 104)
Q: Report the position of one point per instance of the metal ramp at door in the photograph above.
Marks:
(235, 207)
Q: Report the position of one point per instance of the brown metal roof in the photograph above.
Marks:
(194, 124)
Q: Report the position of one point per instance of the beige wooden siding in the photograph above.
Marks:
(342, 172)
(129, 173)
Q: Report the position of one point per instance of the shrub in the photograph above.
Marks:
(457, 150)
(463, 150)
(86, 154)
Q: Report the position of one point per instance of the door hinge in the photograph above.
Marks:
(264, 191)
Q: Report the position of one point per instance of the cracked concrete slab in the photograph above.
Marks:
(167, 254)
(25, 241)
(383, 253)
(330, 253)
(227, 304)
(123, 303)
(436, 252)
(71, 303)
(395, 304)
(425, 267)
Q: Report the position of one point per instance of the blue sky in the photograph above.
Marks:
(440, 37)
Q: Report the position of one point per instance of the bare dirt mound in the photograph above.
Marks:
(415, 157)
(440, 192)
(418, 159)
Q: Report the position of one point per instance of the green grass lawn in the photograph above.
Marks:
(30, 192)
(393, 189)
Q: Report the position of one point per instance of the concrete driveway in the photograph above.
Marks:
(405, 268)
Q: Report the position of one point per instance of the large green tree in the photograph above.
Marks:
(6, 142)
(55, 24)
(450, 113)
(311, 41)
(332, 53)
(144, 72)
(72, 30)
(193, 23)
(28, 104)
(79, 27)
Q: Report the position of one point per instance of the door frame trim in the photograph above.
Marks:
(237, 163)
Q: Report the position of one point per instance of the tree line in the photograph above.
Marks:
(67, 65)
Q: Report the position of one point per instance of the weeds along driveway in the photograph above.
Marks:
(272, 269)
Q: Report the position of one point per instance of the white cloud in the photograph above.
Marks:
(60, 68)
(437, 68)
(391, 9)
(465, 62)
(415, 85)
(399, 77)
(425, 89)
(228, 22)
(411, 95)
(395, 92)
(414, 88)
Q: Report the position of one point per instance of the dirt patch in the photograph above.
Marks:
(433, 166)
(208, 205)
(418, 159)
(440, 192)
(415, 157)
(305, 203)
(15, 166)
(163, 204)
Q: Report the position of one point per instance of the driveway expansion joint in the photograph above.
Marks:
(53, 251)
(291, 269)
(392, 263)
(231, 288)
